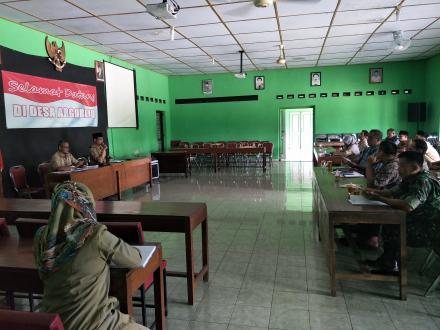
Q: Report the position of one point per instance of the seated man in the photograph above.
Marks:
(350, 148)
(63, 160)
(419, 196)
(384, 177)
(387, 175)
(421, 147)
(391, 136)
(374, 140)
(404, 141)
(98, 150)
(431, 155)
(363, 140)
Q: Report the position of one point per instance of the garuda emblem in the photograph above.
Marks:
(57, 56)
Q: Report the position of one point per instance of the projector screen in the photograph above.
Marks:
(120, 94)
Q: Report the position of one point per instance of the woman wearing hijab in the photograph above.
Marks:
(350, 148)
(73, 253)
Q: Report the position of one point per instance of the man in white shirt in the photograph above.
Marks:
(431, 155)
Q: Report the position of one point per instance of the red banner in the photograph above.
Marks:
(32, 102)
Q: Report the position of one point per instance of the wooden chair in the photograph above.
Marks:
(43, 169)
(269, 151)
(435, 253)
(131, 232)
(18, 176)
(14, 320)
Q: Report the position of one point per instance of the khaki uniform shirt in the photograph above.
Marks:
(78, 292)
(431, 154)
(94, 152)
(60, 159)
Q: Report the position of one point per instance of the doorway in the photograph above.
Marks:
(160, 130)
(296, 138)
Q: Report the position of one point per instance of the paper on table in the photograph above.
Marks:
(362, 200)
(146, 253)
(353, 174)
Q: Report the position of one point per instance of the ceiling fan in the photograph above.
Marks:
(241, 74)
(247, 7)
(400, 41)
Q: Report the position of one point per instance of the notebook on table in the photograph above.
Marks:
(362, 200)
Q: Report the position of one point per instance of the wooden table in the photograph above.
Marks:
(154, 216)
(319, 158)
(331, 208)
(108, 180)
(329, 144)
(18, 273)
(173, 162)
(217, 152)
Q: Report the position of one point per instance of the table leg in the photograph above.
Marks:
(189, 264)
(264, 163)
(332, 258)
(403, 266)
(159, 298)
(205, 248)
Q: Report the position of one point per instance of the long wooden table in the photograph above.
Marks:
(18, 273)
(173, 162)
(331, 208)
(107, 180)
(227, 152)
(154, 216)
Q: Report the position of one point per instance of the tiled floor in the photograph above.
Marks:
(267, 269)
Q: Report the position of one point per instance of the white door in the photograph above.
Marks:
(299, 134)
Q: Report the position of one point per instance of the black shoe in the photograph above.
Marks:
(387, 270)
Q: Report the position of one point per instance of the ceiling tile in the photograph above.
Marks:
(354, 29)
(203, 30)
(299, 64)
(302, 51)
(111, 38)
(48, 28)
(123, 56)
(356, 4)
(420, 11)
(196, 59)
(426, 42)
(374, 52)
(243, 11)
(102, 49)
(303, 43)
(361, 16)
(367, 59)
(419, 2)
(429, 33)
(339, 56)
(227, 49)
(258, 37)
(148, 55)
(308, 58)
(137, 61)
(333, 62)
(85, 25)
(435, 24)
(194, 16)
(261, 25)
(257, 46)
(377, 45)
(49, 9)
(265, 54)
(172, 44)
(231, 56)
(133, 47)
(185, 52)
(286, 8)
(305, 21)
(347, 40)
(163, 60)
(340, 49)
(15, 15)
(80, 40)
(108, 7)
(155, 34)
(139, 21)
(413, 24)
(304, 33)
(214, 41)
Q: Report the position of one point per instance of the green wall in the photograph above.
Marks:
(260, 119)
(433, 93)
(123, 141)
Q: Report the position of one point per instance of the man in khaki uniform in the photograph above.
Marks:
(63, 160)
(98, 150)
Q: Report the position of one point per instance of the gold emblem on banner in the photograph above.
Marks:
(57, 55)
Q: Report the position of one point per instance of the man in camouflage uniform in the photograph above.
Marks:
(98, 150)
(419, 196)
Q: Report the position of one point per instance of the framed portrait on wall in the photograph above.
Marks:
(207, 86)
(99, 70)
(376, 75)
(259, 82)
(315, 79)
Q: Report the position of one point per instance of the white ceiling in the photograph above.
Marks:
(328, 32)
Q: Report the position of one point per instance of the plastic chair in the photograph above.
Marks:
(18, 177)
(131, 233)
